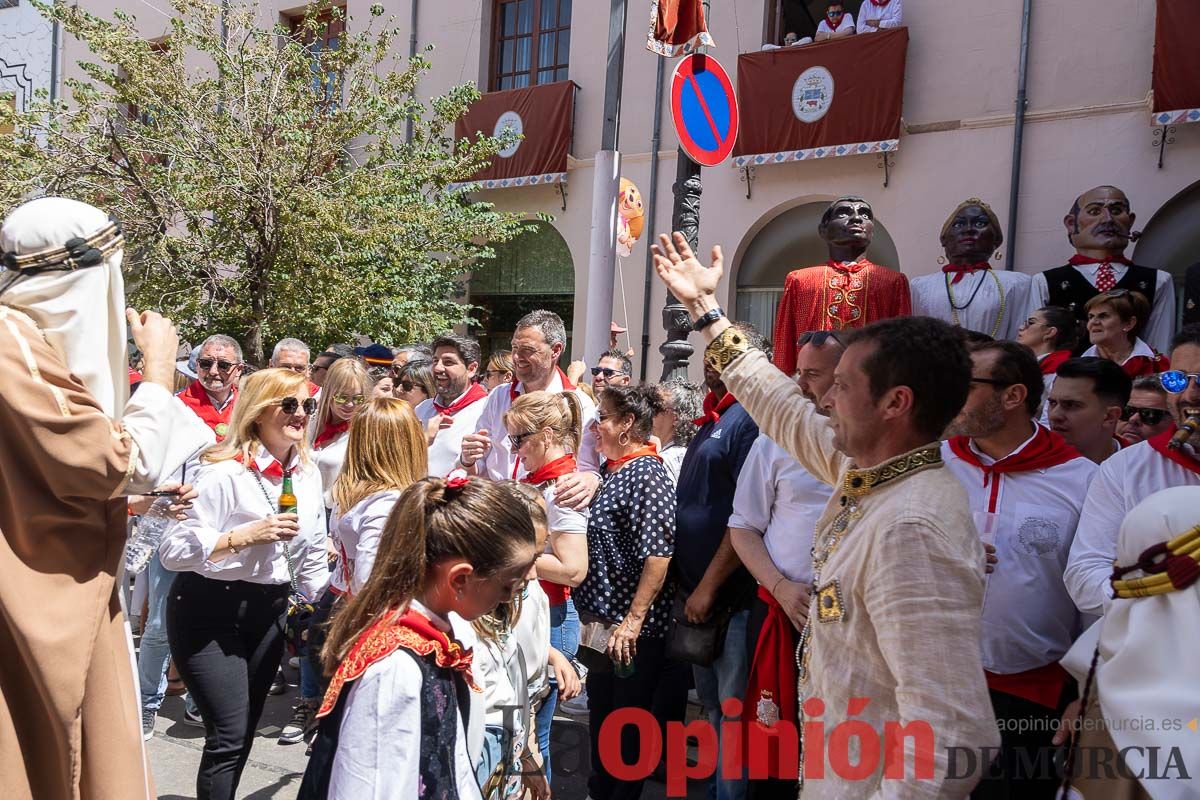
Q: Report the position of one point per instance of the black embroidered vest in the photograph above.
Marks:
(1069, 289)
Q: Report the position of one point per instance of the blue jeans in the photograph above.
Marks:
(153, 653)
(724, 679)
(564, 637)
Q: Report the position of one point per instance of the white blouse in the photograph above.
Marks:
(356, 535)
(329, 461)
(231, 495)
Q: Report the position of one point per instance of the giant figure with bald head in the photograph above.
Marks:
(1100, 228)
(847, 291)
(967, 292)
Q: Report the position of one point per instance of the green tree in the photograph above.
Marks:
(263, 176)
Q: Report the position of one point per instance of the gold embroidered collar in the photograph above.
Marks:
(859, 482)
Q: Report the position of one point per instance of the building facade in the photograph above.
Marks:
(1088, 122)
(28, 60)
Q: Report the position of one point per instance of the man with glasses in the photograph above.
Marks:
(453, 411)
(1025, 487)
(1145, 415)
(613, 369)
(1131, 476)
(211, 396)
(321, 365)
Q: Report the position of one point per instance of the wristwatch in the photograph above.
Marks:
(708, 318)
(728, 345)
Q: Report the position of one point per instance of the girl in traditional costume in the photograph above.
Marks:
(394, 721)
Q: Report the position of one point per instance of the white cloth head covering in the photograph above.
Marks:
(81, 312)
(1149, 652)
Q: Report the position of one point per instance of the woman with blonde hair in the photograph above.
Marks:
(545, 429)
(243, 544)
(499, 370)
(347, 387)
(385, 454)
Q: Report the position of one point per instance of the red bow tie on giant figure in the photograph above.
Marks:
(848, 291)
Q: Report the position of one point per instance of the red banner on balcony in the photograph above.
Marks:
(1176, 63)
(834, 98)
(542, 114)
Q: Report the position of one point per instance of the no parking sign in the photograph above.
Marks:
(704, 109)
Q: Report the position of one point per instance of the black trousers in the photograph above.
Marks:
(608, 693)
(1028, 765)
(226, 639)
(318, 631)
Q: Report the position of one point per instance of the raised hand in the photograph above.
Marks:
(683, 274)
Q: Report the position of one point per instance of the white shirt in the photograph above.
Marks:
(356, 535)
(930, 299)
(1158, 330)
(229, 496)
(888, 16)
(379, 740)
(1140, 348)
(847, 23)
(329, 461)
(672, 460)
(560, 518)
(1029, 620)
(780, 501)
(1122, 481)
(501, 462)
(532, 635)
(447, 445)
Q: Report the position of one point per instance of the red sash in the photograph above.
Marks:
(1050, 363)
(1042, 685)
(713, 410)
(195, 398)
(474, 394)
(648, 450)
(1161, 442)
(771, 689)
(331, 431)
(1136, 366)
(1078, 260)
(959, 271)
(414, 632)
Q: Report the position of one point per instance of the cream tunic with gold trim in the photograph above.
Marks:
(895, 617)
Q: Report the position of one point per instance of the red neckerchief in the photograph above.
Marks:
(848, 268)
(331, 431)
(713, 410)
(772, 682)
(1078, 260)
(566, 384)
(834, 22)
(414, 632)
(880, 3)
(472, 395)
(960, 271)
(552, 470)
(1181, 458)
(648, 450)
(273, 470)
(1050, 364)
(1048, 449)
(195, 398)
(1137, 366)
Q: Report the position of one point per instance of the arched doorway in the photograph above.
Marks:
(788, 242)
(1171, 239)
(532, 271)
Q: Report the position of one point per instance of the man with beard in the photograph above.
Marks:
(456, 404)
(1131, 476)
(775, 510)
(848, 291)
(897, 565)
(1145, 415)
(1085, 405)
(968, 292)
(1099, 228)
(1026, 486)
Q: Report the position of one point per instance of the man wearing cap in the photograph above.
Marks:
(75, 445)
(615, 330)
(375, 355)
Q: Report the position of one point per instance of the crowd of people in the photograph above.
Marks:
(448, 546)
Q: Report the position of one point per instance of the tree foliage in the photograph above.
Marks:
(265, 182)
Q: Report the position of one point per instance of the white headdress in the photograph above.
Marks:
(62, 262)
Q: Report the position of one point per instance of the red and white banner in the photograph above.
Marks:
(1176, 63)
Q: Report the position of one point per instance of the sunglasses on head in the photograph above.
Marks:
(818, 338)
(1150, 416)
(1176, 381)
(607, 372)
(207, 364)
(342, 399)
(289, 405)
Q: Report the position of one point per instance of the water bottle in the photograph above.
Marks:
(147, 533)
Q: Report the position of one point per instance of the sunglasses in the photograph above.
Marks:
(289, 405)
(407, 385)
(300, 368)
(207, 363)
(818, 338)
(518, 439)
(342, 399)
(1150, 416)
(1176, 381)
(606, 372)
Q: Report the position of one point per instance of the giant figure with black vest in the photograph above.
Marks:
(1099, 227)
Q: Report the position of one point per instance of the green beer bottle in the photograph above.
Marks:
(287, 499)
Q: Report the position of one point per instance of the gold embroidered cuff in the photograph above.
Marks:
(728, 345)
